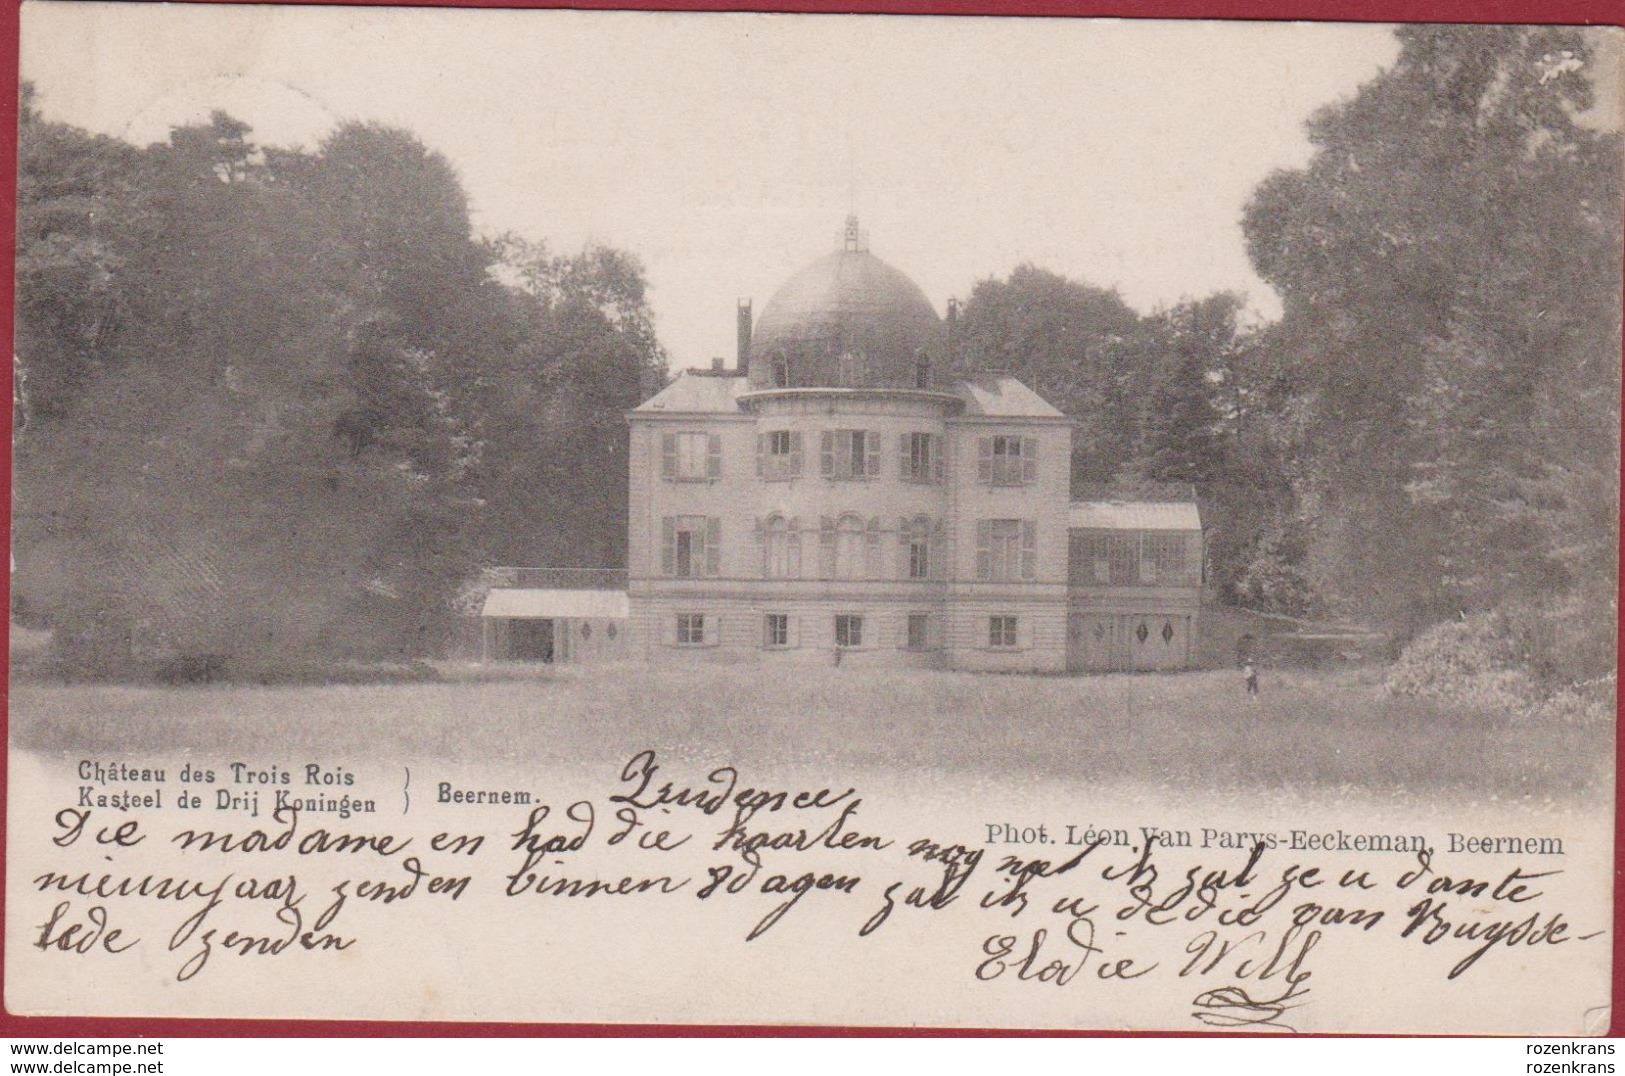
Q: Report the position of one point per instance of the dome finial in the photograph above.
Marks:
(855, 238)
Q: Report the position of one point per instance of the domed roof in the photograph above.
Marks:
(847, 320)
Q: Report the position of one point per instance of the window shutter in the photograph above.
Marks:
(793, 630)
(713, 630)
(984, 459)
(767, 638)
(761, 452)
(984, 552)
(902, 456)
(761, 544)
(871, 552)
(826, 454)
(713, 545)
(843, 455)
(713, 456)
(826, 547)
(939, 550)
(871, 442)
(938, 458)
(668, 455)
(668, 630)
(902, 548)
(1029, 549)
(794, 565)
(795, 452)
(1029, 459)
(668, 546)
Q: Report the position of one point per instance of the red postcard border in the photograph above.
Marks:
(1576, 12)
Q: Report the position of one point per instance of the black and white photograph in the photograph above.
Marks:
(682, 519)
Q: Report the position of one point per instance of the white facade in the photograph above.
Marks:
(829, 502)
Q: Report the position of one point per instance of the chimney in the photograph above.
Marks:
(742, 362)
(716, 365)
(953, 333)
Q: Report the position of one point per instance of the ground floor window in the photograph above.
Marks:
(919, 634)
(776, 630)
(1001, 632)
(848, 631)
(690, 629)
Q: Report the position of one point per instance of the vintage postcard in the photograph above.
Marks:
(698, 519)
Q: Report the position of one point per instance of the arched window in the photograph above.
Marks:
(849, 548)
(781, 370)
(916, 545)
(783, 552)
(922, 370)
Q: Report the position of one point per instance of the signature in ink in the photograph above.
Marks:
(1231, 1006)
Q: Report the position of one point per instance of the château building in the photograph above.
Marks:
(835, 498)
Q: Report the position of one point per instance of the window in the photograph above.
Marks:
(849, 548)
(690, 545)
(1007, 460)
(1162, 558)
(778, 454)
(919, 631)
(851, 368)
(690, 456)
(1006, 549)
(915, 539)
(922, 371)
(690, 629)
(586, 631)
(1109, 558)
(849, 454)
(919, 557)
(848, 631)
(781, 548)
(1001, 632)
(776, 630)
(920, 457)
(781, 370)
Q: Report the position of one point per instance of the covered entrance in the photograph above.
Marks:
(553, 626)
(530, 639)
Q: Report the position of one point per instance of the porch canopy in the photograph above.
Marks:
(1134, 515)
(523, 603)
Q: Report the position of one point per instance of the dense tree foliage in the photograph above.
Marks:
(1430, 430)
(272, 405)
(1449, 262)
(280, 403)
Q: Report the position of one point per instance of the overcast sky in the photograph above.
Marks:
(725, 150)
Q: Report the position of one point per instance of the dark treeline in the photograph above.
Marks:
(1429, 434)
(281, 403)
(280, 406)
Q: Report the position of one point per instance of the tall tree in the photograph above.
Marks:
(1085, 349)
(554, 471)
(1449, 266)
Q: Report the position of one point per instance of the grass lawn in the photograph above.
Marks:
(1313, 731)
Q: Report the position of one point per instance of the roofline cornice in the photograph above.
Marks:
(951, 400)
(685, 416)
(1005, 420)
